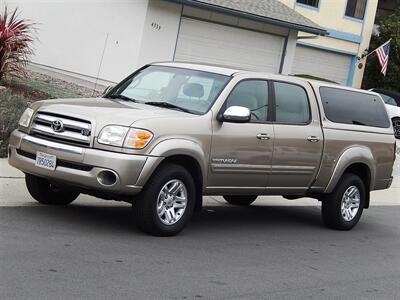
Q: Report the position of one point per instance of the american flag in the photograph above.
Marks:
(383, 56)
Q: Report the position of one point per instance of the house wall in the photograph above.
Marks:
(110, 38)
(72, 35)
(160, 32)
(347, 35)
(218, 18)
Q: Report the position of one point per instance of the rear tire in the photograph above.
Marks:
(342, 209)
(240, 200)
(46, 193)
(167, 202)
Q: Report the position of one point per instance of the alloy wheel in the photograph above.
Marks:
(172, 202)
(350, 203)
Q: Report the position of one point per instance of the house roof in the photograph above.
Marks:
(268, 11)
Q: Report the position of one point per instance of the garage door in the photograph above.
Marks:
(321, 63)
(206, 42)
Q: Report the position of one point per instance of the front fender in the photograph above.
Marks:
(172, 147)
(353, 155)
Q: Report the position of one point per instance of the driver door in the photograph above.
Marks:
(241, 153)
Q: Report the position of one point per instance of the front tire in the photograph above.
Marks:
(167, 202)
(343, 208)
(240, 200)
(46, 193)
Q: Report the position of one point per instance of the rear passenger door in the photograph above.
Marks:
(298, 138)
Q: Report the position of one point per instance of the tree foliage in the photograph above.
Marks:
(389, 28)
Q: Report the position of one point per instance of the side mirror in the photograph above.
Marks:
(236, 114)
(107, 89)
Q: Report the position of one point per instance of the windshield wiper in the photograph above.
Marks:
(121, 97)
(168, 105)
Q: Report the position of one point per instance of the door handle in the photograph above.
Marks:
(313, 139)
(263, 136)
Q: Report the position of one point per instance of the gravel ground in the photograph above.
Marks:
(81, 90)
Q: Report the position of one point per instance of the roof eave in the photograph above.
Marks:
(236, 13)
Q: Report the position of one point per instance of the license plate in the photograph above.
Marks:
(45, 161)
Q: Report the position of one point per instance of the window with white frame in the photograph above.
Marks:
(356, 9)
(313, 3)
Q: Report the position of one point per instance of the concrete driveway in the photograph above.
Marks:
(276, 249)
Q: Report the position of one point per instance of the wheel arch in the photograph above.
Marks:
(181, 152)
(356, 160)
(363, 171)
(192, 165)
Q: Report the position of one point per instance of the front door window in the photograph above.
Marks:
(252, 94)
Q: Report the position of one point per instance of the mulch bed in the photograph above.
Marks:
(28, 92)
(47, 87)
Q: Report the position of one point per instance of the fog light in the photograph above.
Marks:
(107, 178)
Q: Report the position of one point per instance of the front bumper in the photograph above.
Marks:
(80, 167)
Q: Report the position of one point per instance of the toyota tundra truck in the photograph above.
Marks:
(172, 132)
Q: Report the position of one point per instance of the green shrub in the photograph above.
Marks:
(389, 28)
(11, 109)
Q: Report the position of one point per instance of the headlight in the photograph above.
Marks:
(137, 138)
(113, 135)
(126, 137)
(26, 117)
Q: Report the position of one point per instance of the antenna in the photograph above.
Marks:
(101, 63)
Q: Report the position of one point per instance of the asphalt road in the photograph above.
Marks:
(272, 250)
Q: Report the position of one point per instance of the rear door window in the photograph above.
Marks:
(291, 104)
(350, 107)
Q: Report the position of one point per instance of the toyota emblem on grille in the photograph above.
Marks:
(57, 126)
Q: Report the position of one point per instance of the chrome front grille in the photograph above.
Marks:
(63, 128)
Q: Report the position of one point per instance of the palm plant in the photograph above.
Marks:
(15, 44)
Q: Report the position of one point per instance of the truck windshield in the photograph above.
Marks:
(189, 90)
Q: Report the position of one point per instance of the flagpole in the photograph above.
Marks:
(365, 57)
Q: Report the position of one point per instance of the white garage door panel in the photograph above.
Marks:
(206, 42)
(321, 63)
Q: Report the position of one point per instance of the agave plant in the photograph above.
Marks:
(15, 44)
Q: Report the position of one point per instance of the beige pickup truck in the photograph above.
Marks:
(173, 132)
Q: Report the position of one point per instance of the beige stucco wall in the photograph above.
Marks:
(330, 15)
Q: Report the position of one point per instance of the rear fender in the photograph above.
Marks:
(351, 156)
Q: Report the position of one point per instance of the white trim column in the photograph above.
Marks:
(289, 52)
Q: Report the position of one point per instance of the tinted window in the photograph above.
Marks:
(350, 107)
(252, 94)
(291, 104)
(388, 100)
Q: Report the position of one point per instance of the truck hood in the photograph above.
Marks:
(103, 111)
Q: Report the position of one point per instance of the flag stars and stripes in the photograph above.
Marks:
(383, 56)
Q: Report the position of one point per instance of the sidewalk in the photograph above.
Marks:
(6, 171)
